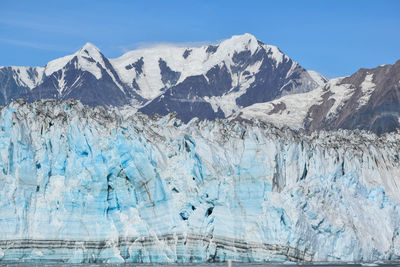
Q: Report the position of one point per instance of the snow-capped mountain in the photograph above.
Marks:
(217, 80)
(239, 78)
(17, 81)
(82, 184)
(205, 82)
(369, 100)
(86, 75)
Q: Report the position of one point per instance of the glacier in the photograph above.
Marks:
(82, 184)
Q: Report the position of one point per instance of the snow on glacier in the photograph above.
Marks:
(367, 88)
(317, 77)
(28, 76)
(57, 64)
(83, 184)
(294, 112)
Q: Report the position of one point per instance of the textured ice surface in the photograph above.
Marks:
(216, 264)
(83, 184)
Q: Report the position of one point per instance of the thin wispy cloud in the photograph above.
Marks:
(28, 24)
(55, 26)
(144, 45)
(35, 45)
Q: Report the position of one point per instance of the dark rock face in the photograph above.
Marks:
(382, 111)
(12, 89)
(9, 88)
(138, 66)
(316, 118)
(186, 99)
(212, 49)
(380, 114)
(187, 53)
(84, 86)
(168, 76)
(271, 81)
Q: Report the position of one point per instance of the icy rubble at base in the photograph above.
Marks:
(87, 185)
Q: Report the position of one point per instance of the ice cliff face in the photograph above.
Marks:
(83, 184)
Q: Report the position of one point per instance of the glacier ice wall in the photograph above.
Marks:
(82, 184)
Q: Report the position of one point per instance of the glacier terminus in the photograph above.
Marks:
(88, 184)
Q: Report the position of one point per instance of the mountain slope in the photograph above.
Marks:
(87, 76)
(17, 81)
(368, 100)
(236, 73)
(374, 104)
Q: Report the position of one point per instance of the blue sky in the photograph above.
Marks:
(333, 37)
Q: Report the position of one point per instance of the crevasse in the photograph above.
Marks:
(80, 184)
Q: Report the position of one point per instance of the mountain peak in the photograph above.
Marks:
(241, 42)
(246, 37)
(88, 57)
(89, 45)
(89, 49)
